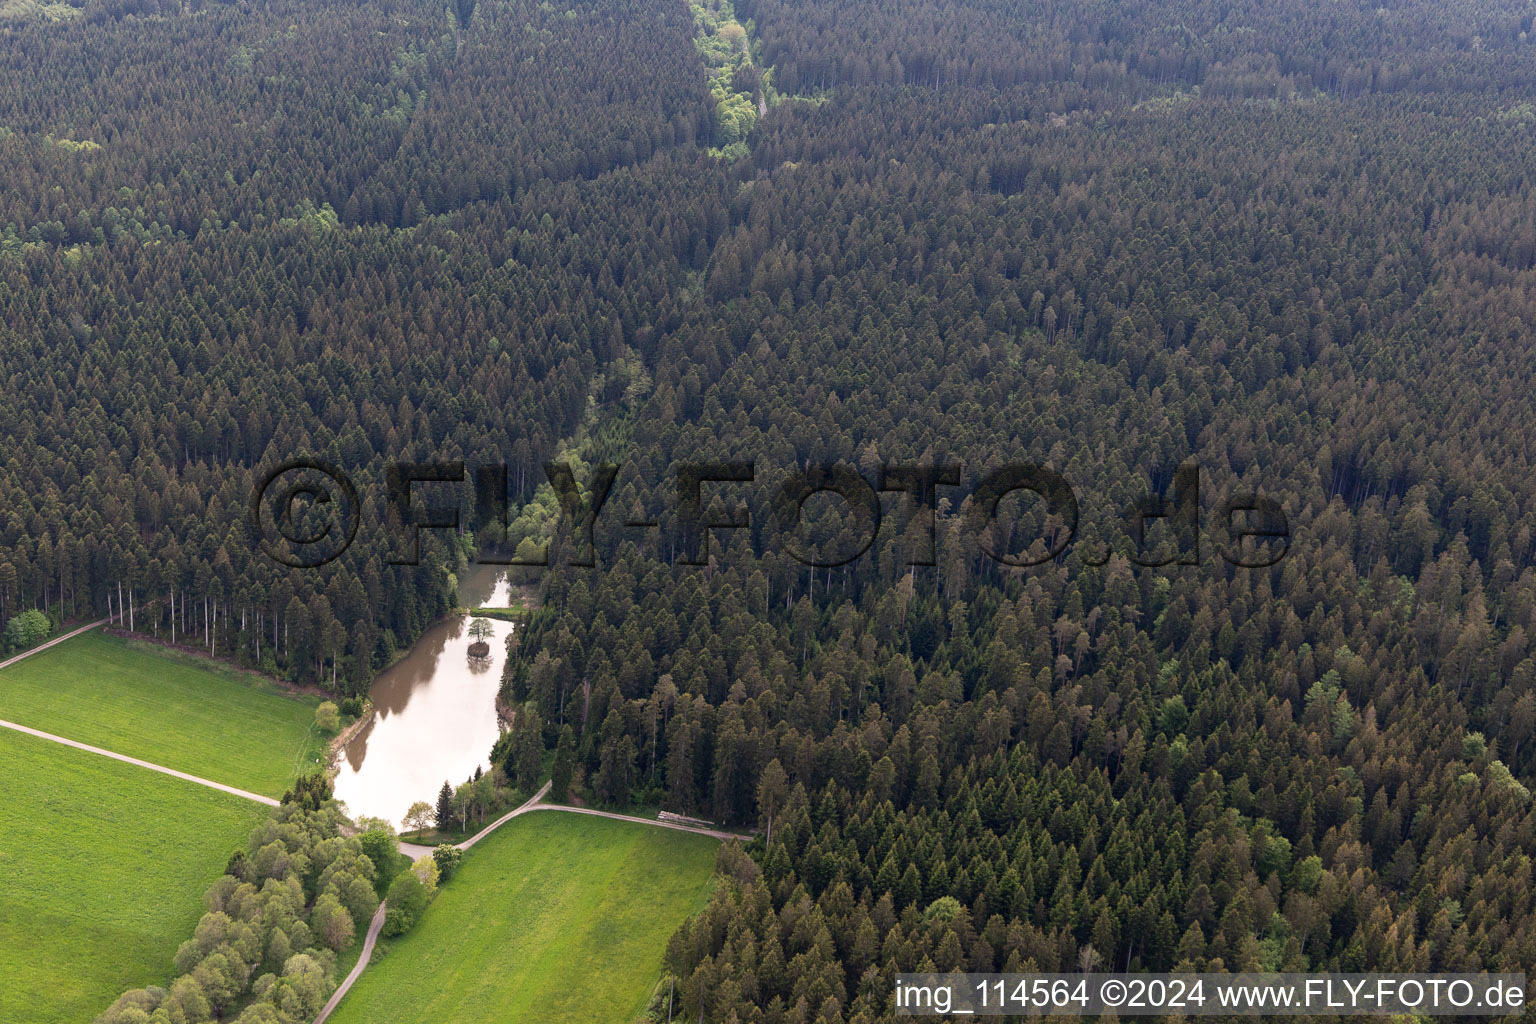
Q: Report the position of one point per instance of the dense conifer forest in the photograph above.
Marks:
(1294, 244)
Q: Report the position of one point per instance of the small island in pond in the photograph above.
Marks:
(480, 632)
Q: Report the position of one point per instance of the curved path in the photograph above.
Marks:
(374, 927)
(527, 807)
(414, 850)
(377, 923)
(530, 804)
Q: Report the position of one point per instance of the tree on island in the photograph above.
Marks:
(480, 632)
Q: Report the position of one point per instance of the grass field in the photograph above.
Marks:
(165, 708)
(553, 919)
(104, 867)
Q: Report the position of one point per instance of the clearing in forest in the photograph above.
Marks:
(166, 708)
(555, 918)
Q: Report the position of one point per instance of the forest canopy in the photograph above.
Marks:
(1292, 243)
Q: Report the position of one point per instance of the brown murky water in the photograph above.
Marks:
(435, 715)
(485, 586)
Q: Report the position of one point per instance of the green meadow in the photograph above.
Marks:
(555, 919)
(104, 867)
(166, 708)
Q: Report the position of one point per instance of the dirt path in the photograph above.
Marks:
(7, 663)
(530, 804)
(108, 753)
(527, 807)
(415, 850)
(673, 825)
(141, 764)
(378, 919)
(374, 927)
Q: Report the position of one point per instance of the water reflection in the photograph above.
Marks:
(434, 720)
(485, 586)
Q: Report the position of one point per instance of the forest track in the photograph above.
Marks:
(7, 663)
(141, 764)
(528, 806)
(374, 927)
(675, 826)
(113, 754)
(378, 919)
(532, 803)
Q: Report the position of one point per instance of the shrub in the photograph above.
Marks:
(26, 629)
(379, 846)
(425, 868)
(406, 900)
(328, 717)
(447, 858)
